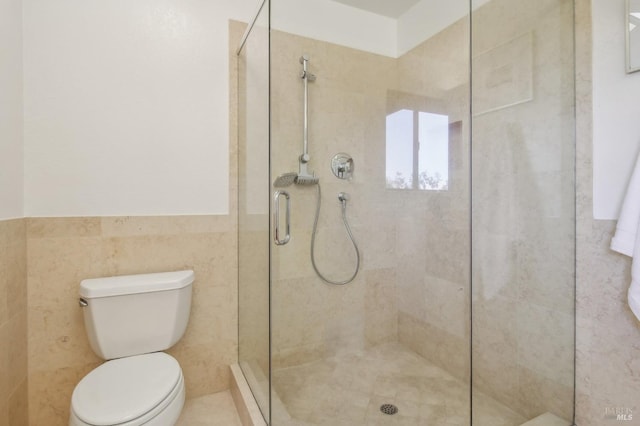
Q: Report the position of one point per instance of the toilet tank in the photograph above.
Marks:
(136, 314)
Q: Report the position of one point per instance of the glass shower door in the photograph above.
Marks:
(458, 118)
(253, 207)
(393, 344)
(523, 210)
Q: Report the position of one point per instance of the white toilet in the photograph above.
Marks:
(129, 319)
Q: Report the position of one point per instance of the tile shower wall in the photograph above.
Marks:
(347, 107)
(13, 323)
(63, 251)
(411, 287)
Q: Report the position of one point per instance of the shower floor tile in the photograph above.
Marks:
(350, 388)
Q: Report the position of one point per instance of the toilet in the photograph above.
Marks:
(129, 320)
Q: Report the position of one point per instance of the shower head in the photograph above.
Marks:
(307, 180)
(288, 179)
(285, 179)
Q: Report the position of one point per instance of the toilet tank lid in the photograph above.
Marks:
(132, 284)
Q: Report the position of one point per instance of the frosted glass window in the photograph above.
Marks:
(433, 158)
(399, 165)
(417, 150)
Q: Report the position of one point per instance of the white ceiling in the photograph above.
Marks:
(392, 9)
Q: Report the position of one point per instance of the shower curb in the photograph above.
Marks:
(246, 405)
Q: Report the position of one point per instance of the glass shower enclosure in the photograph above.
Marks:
(406, 219)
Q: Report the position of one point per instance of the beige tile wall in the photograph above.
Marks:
(421, 295)
(408, 287)
(13, 323)
(347, 107)
(63, 251)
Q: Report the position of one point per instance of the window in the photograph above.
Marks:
(417, 150)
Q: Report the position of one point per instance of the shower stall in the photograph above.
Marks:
(406, 211)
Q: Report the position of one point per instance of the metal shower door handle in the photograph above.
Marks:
(276, 218)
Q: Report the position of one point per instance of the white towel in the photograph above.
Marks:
(627, 238)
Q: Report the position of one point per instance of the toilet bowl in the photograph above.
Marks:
(129, 321)
(140, 390)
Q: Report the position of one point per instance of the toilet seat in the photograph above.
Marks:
(129, 391)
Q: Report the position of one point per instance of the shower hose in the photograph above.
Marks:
(343, 201)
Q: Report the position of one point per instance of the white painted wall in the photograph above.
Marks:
(616, 110)
(126, 106)
(427, 18)
(338, 23)
(126, 103)
(11, 163)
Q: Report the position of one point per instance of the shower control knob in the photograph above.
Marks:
(342, 166)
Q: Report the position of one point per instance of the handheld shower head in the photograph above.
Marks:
(288, 179)
(307, 180)
(285, 179)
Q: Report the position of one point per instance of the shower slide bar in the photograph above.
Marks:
(304, 158)
(343, 164)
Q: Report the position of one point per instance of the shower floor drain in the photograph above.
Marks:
(389, 409)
